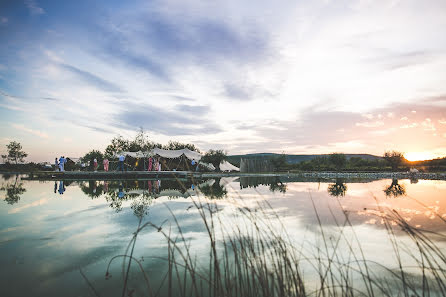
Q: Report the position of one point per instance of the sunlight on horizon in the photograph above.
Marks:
(420, 156)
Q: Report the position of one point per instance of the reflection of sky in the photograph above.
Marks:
(46, 236)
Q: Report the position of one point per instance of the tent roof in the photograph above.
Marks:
(164, 153)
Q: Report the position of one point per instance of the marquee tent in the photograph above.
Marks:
(172, 154)
(164, 153)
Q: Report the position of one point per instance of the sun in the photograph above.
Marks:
(418, 156)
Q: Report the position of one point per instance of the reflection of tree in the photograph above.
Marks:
(214, 190)
(395, 189)
(339, 188)
(13, 191)
(119, 192)
(141, 203)
(278, 186)
(93, 190)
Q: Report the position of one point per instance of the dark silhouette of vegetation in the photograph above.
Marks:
(278, 186)
(338, 160)
(394, 158)
(15, 153)
(13, 191)
(213, 190)
(89, 157)
(395, 189)
(141, 142)
(93, 190)
(175, 145)
(338, 189)
(215, 157)
(279, 163)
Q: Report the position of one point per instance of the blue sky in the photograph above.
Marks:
(251, 76)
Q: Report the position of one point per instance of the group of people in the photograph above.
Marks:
(154, 164)
(105, 163)
(59, 165)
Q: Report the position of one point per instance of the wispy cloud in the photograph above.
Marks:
(91, 78)
(33, 8)
(30, 131)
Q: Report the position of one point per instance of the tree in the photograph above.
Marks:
(215, 157)
(175, 145)
(279, 162)
(117, 144)
(90, 156)
(394, 158)
(15, 153)
(338, 160)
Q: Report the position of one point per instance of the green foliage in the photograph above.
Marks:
(90, 156)
(394, 158)
(117, 144)
(279, 163)
(214, 190)
(338, 160)
(215, 157)
(339, 188)
(15, 153)
(175, 145)
(13, 191)
(142, 143)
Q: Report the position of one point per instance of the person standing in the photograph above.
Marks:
(56, 164)
(121, 162)
(95, 165)
(105, 163)
(62, 164)
(150, 164)
(193, 163)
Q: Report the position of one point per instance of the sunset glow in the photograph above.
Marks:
(419, 156)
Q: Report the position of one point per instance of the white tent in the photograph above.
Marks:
(170, 154)
(226, 166)
(164, 153)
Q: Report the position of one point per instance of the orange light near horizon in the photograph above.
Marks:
(419, 156)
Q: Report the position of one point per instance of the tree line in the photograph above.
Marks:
(390, 160)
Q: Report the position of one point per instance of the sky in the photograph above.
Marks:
(296, 77)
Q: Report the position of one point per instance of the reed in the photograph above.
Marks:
(254, 255)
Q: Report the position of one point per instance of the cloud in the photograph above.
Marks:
(91, 79)
(33, 8)
(370, 124)
(181, 120)
(31, 131)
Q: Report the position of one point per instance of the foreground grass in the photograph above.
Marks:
(255, 256)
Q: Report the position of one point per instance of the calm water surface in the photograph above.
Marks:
(59, 238)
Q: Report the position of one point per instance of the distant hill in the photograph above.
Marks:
(293, 159)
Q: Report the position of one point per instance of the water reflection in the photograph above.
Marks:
(13, 190)
(213, 189)
(338, 189)
(395, 190)
(274, 183)
(42, 228)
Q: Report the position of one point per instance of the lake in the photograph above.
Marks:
(232, 236)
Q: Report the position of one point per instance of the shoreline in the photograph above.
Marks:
(101, 175)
